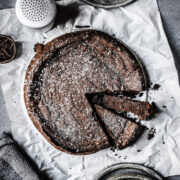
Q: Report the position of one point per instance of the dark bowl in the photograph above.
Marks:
(7, 49)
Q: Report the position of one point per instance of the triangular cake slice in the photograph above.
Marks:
(143, 110)
(121, 130)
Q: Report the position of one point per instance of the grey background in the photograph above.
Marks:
(170, 13)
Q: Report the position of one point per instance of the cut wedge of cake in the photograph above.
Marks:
(121, 130)
(142, 110)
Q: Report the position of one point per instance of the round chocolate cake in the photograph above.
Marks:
(61, 76)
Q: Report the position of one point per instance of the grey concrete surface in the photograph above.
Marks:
(170, 13)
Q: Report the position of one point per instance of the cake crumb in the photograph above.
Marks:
(151, 133)
(156, 87)
(140, 94)
(112, 149)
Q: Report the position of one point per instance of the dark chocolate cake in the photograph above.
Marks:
(60, 76)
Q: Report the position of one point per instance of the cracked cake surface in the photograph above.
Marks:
(60, 75)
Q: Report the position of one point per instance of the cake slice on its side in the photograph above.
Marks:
(121, 130)
(143, 110)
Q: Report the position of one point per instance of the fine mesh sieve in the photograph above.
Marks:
(36, 13)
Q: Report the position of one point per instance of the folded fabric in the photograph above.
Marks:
(13, 165)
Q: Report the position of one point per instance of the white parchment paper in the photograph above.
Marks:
(139, 26)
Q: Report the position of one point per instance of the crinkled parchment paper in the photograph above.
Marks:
(139, 26)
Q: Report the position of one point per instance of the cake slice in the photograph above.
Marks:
(121, 130)
(143, 110)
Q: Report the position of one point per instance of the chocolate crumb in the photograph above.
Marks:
(138, 150)
(140, 94)
(156, 87)
(125, 157)
(119, 156)
(164, 106)
(163, 140)
(112, 149)
(38, 47)
(116, 154)
(151, 133)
